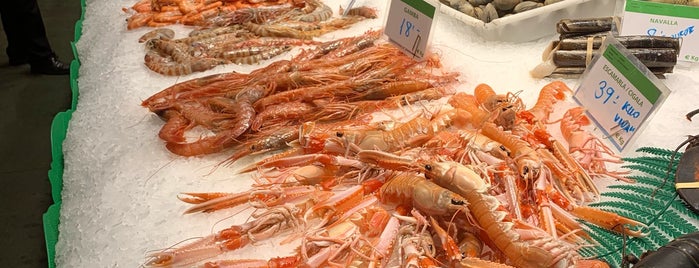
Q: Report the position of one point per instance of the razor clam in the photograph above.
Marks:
(584, 26)
(650, 57)
(634, 41)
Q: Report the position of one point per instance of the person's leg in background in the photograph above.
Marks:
(26, 38)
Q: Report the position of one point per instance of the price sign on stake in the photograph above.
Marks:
(660, 19)
(619, 93)
(409, 25)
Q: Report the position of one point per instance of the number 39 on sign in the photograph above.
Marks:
(409, 25)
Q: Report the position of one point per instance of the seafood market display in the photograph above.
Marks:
(489, 10)
(580, 40)
(480, 179)
(244, 39)
(340, 152)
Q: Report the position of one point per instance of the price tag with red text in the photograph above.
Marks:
(409, 25)
(619, 93)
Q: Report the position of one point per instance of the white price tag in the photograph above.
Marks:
(409, 24)
(659, 19)
(619, 93)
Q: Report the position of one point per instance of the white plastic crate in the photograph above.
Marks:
(533, 24)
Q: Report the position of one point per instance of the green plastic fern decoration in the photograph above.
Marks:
(665, 214)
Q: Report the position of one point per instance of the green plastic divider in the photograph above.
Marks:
(75, 51)
(59, 129)
(50, 219)
(56, 180)
(78, 31)
(74, 73)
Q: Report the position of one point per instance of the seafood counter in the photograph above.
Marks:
(259, 145)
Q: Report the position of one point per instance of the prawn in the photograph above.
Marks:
(319, 11)
(413, 190)
(162, 65)
(589, 151)
(160, 33)
(548, 96)
(221, 140)
(527, 159)
(280, 113)
(524, 245)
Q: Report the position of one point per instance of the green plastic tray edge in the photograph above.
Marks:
(50, 219)
(59, 128)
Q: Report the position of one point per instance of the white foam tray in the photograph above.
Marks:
(535, 23)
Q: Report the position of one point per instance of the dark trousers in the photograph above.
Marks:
(24, 28)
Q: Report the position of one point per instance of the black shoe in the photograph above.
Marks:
(18, 61)
(50, 65)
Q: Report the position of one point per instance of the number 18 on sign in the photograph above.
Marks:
(409, 24)
(619, 93)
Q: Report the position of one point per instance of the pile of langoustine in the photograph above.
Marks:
(478, 181)
(247, 37)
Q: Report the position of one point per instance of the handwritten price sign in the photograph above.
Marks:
(409, 25)
(619, 93)
(659, 19)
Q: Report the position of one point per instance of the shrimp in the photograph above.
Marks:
(212, 84)
(263, 55)
(393, 89)
(264, 142)
(221, 140)
(319, 11)
(139, 20)
(526, 157)
(413, 190)
(162, 65)
(469, 103)
(177, 51)
(140, 6)
(504, 107)
(169, 17)
(258, 197)
(265, 225)
(278, 262)
(548, 96)
(279, 113)
(349, 110)
(174, 127)
(278, 31)
(588, 150)
(362, 11)
(161, 33)
(524, 245)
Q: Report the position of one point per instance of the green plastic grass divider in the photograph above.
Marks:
(74, 73)
(51, 218)
(59, 129)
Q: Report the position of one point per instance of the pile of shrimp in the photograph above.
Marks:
(478, 181)
(158, 13)
(211, 13)
(333, 82)
(243, 41)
